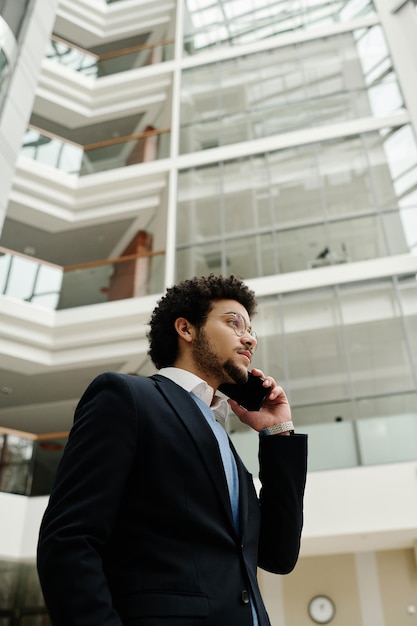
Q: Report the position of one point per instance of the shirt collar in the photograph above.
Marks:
(193, 383)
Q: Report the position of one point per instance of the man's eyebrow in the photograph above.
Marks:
(237, 313)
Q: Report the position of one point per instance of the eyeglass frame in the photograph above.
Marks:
(244, 328)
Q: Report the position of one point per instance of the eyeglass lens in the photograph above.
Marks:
(241, 326)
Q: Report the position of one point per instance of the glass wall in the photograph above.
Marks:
(97, 65)
(55, 287)
(333, 202)
(107, 154)
(346, 356)
(28, 462)
(229, 22)
(12, 17)
(13, 12)
(21, 600)
(310, 84)
(4, 70)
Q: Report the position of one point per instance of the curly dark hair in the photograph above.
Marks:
(191, 299)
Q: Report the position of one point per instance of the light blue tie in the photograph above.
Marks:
(230, 469)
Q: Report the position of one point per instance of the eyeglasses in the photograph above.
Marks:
(238, 323)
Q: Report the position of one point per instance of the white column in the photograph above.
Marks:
(175, 140)
(369, 591)
(21, 93)
(272, 594)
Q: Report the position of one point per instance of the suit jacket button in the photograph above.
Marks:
(245, 597)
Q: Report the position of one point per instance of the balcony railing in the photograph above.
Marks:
(59, 287)
(28, 462)
(73, 158)
(97, 65)
(346, 443)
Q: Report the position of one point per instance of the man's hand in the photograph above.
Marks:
(274, 410)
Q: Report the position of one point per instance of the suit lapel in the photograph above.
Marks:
(206, 444)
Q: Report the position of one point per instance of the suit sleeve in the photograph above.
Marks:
(283, 469)
(89, 485)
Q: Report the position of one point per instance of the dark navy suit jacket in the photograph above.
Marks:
(139, 529)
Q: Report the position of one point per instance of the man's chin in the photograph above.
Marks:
(238, 375)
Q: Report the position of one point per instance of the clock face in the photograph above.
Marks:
(321, 609)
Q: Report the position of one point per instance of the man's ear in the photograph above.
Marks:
(185, 329)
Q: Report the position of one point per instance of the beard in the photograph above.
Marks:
(211, 364)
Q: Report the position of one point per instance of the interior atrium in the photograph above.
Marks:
(143, 142)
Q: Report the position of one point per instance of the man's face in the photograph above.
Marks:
(218, 352)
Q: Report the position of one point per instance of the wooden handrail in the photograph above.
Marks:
(125, 138)
(115, 53)
(119, 259)
(29, 258)
(47, 133)
(69, 44)
(131, 49)
(88, 264)
(99, 144)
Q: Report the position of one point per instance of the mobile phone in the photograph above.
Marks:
(251, 394)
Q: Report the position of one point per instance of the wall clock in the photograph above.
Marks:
(321, 609)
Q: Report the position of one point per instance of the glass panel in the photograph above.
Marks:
(246, 442)
(4, 70)
(29, 280)
(14, 14)
(407, 286)
(345, 393)
(345, 177)
(331, 446)
(90, 64)
(21, 597)
(393, 157)
(305, 85)
(63, 156)
(324, 413)
(22, 278)
(128, 152)
(375, 339)
(16, 464)
(47, 454)
(242, 178)
(289, 250)
(271, 352)
(317, 368)
(386, 405)
(74, 58)
(400, 228)
(55, 287)
(199, 210)
(112, 281)
(295, 209)
(235, 21)
(401, 155)
(5, 262)
(387, 428)
(28, 466)
(200, 260)
(293, 173)
(75, 159)
(47, 286)
(388, 439)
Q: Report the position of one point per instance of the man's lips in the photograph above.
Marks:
(246, 353)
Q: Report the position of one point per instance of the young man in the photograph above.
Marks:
(153, 519)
